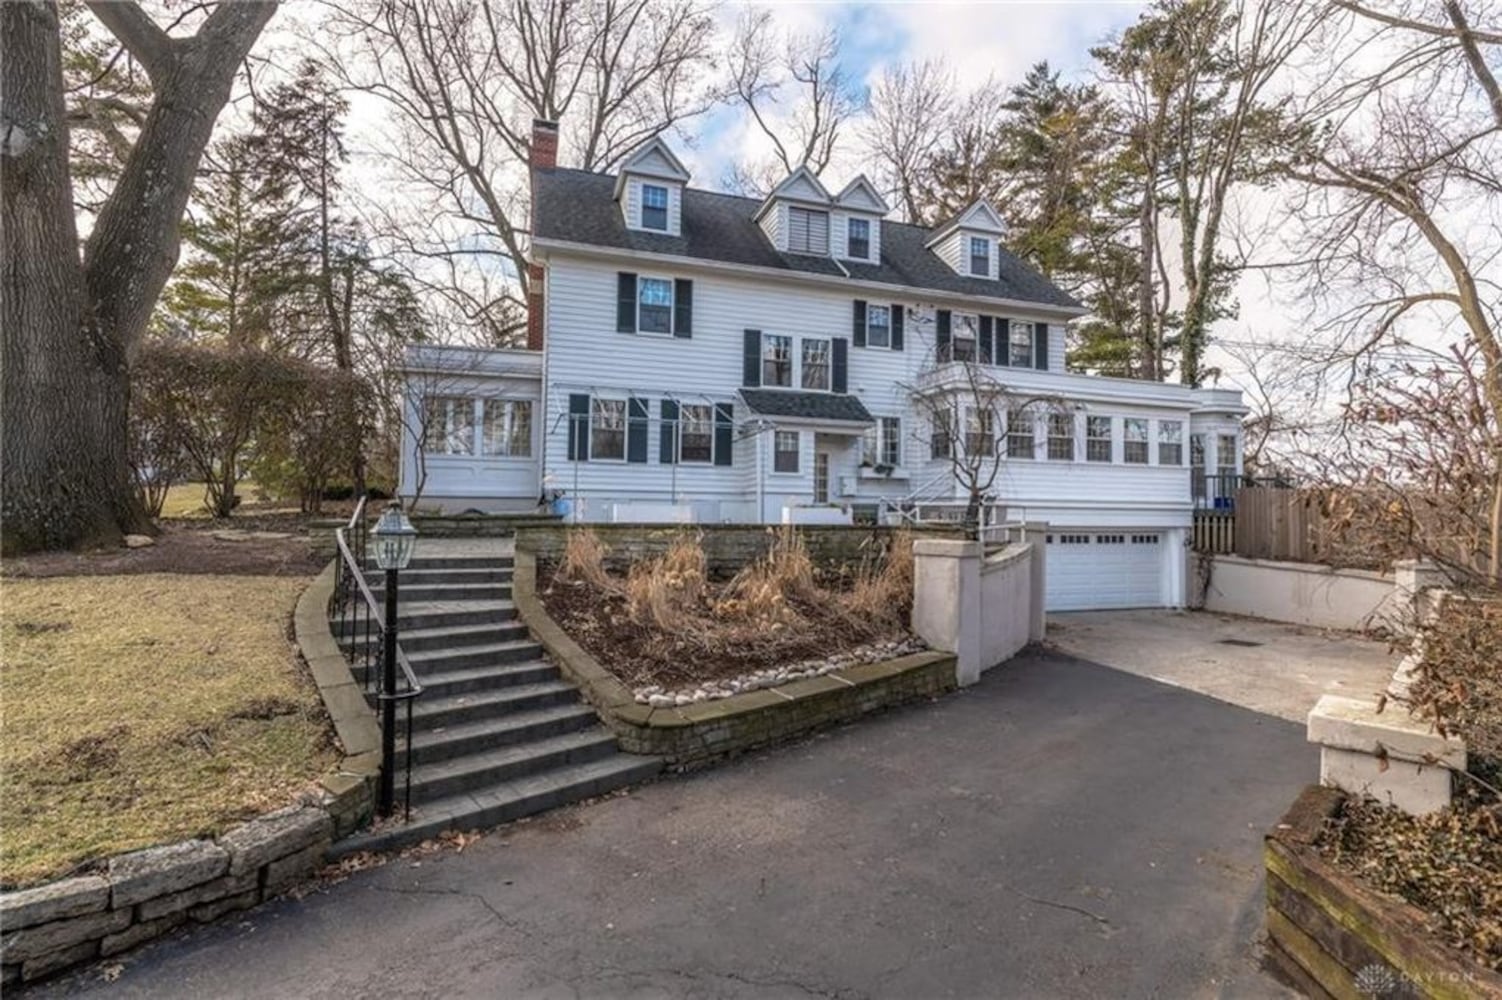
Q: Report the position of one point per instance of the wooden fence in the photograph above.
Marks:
(1285, 525)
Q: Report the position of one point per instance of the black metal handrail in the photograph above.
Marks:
(357, 616)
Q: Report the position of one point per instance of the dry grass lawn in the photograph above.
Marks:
(147, 708)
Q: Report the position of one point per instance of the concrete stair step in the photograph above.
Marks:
(433, 713)
(510, 728)
(475, 772)
(470, 679)
(505, 801)
(490, 653)
(417, 640)
(447, 614)
(479, 561)
(478, 574)
(444, 592)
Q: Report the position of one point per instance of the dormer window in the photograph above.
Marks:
(654, 207)
(808, 230)
(980, 256)
(858, 239)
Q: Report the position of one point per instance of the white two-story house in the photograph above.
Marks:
(695, 356)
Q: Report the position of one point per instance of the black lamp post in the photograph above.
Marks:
(395, 538)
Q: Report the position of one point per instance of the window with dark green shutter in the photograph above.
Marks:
(625, 302)
(897, 311)
(1040, 346)
(751, 359)
(858, 324)
(667, 448)
(636, 430)
(1001, 339)
(941, 336)
(841, 379)
(683, 308)
(724, 434)
(984, 343)
(578, 427)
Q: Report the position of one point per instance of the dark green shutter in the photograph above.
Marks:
(751, 359)
(1040, 346)
(636, 429)
(625, 302)
(839, 379)
(941, 336)
(985, 340)
(667, 451)
(683, 308)
(897, 312)
(858, 324)
(1002, 332)
(578, 427)
(724, 438)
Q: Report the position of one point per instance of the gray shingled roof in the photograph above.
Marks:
(807, 405)
(579, 207)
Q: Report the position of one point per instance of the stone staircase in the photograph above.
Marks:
(497, 734)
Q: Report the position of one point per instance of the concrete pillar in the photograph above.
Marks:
(1415, 586)
(1036, 534)
(946, 600)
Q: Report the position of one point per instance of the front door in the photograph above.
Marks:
(821, 477)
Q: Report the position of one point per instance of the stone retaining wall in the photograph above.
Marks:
(131, 898)
(727, 547)
(1335, 937)
(695, 735)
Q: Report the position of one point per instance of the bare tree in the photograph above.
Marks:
(71, 322)
(1396, 189)
(905, 126)
(797, 95)
(465, 80)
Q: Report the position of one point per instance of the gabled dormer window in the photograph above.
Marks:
(808, 230)
(858, 239)
(980, 256)
(654, 207)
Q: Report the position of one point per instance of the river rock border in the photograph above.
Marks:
(697, 734)
(1334, 936)
(130, 899)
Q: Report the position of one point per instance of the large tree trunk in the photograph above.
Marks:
(69, 327)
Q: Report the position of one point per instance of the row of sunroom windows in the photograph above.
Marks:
(1060, 433)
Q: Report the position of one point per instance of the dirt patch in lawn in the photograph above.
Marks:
(223, 548)
(670, 622)
(147, 708)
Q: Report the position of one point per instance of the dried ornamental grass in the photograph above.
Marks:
(883, 590)
(584, 560)
(666, 591)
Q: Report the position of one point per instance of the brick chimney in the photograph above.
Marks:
(543, 156)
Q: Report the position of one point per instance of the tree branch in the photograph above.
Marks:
(147, 44)
(1420, 26)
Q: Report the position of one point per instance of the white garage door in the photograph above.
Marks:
(1088, 570)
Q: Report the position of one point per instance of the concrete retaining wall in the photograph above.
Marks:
(727, 547)
(133, 898)
(982, 607)
(1334, 936)
(695, 735)
(1301, 593)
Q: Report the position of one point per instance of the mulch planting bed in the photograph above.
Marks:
(232, 547)
(640, 653)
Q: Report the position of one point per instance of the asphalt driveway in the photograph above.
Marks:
(1059, 830)
(1265, 666)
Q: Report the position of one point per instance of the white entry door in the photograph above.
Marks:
(1095, 570)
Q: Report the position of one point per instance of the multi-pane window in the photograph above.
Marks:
(980, 256)
(1170, 442)
(980, 431)
(1134, 440)
(940, 440)
(654, 313)
(1021, 434)
(506, 428)
(448, 425)
(882, 444)
(654, 207)
(1020, 345)
(1225, 456)
(808, 230)
(1098, 439)
(696, 432)
(878, 326)
(815, 363)
(1061, 437)
(785, 451)
(964, 330)
(607, 428)
(858, 239)
(777, 360)
(1197, 466)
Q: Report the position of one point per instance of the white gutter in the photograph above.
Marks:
(978, 302)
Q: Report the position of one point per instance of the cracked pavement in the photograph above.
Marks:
(1059, 830)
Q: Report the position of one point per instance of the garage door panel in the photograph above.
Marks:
(1117, 568)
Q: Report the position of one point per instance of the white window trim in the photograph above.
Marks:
(1110, 439)
(850, 221)
(678, 434)
(955, 322)
(998, 439)
(970, 270)
(641, 279)
(625, 402)
(796, 359)
(476, 417)
(888, 309)
(1049, 437)
(510, 420)
(1013, 328)
(1159, 443)
(808, 251)
(667, 208)
(828, 363)
(879, 427)
(1146, 442)
(772, 460)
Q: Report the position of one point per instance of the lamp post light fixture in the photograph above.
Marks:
(395, 538)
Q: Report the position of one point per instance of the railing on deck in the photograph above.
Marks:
(357, 620)
(1214, 532)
